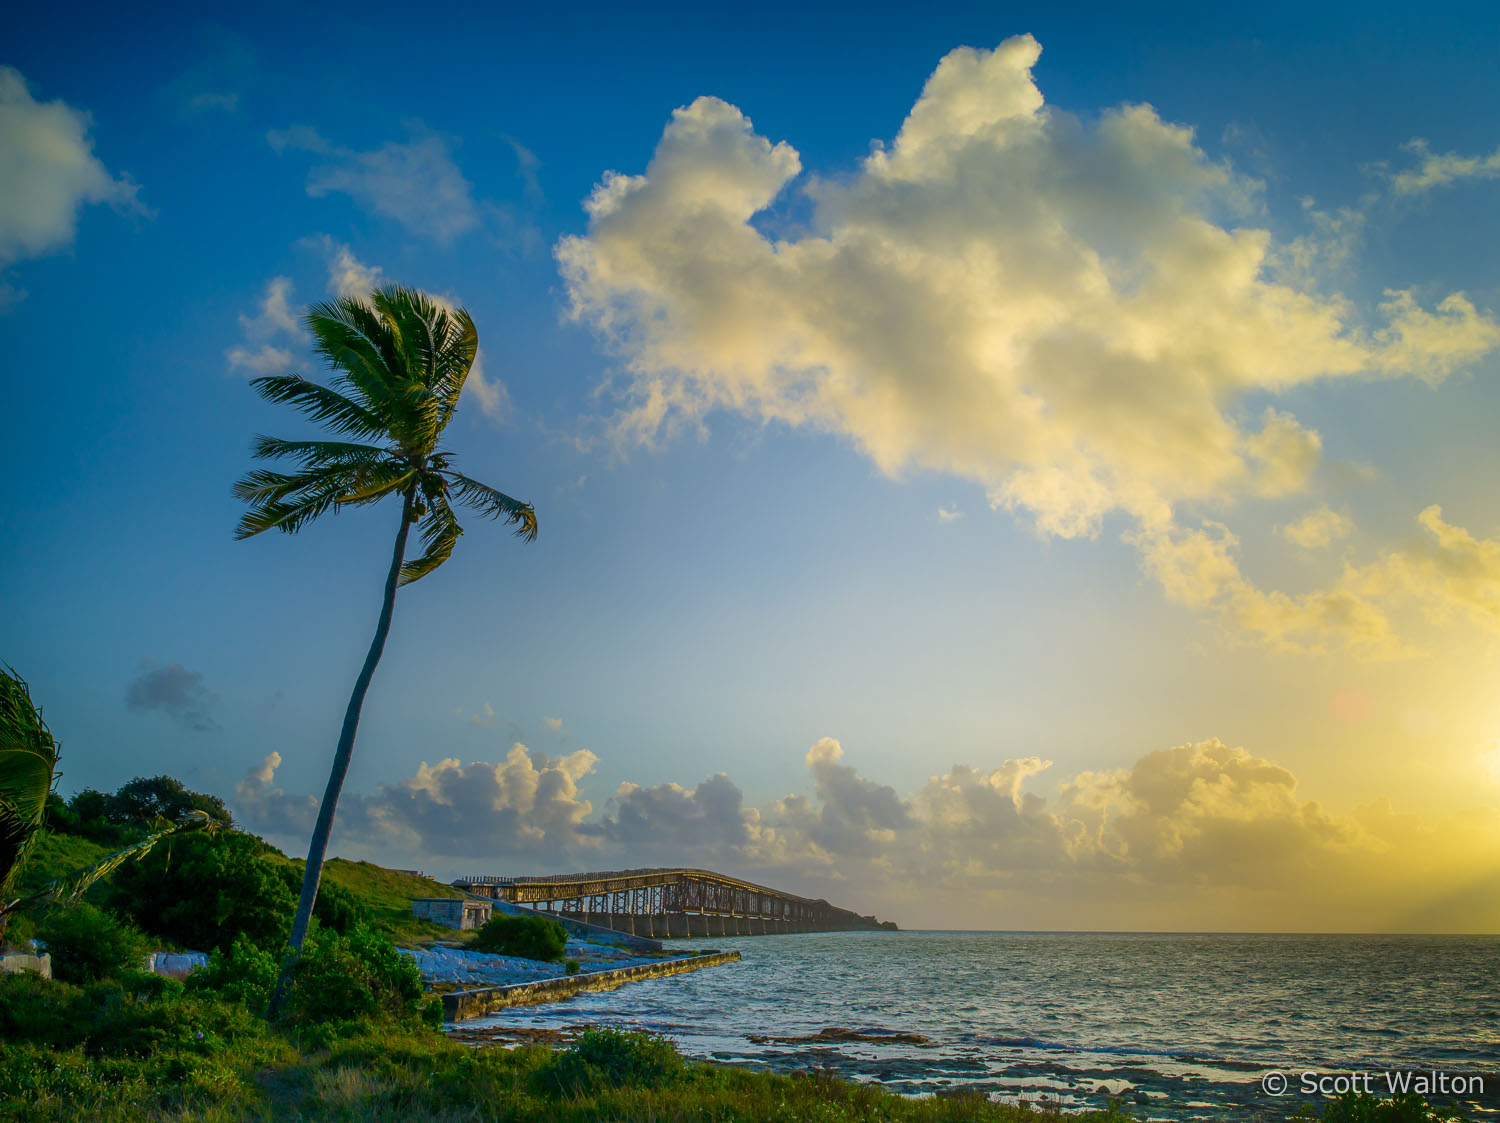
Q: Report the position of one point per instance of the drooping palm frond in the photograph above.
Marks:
(71, 887)
(28, 761)
(493, 504)
(440, 533)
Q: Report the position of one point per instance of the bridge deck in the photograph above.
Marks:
(669, 901)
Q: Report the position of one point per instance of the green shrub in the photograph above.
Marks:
(572, 966)
(530, 937)
(356, 976)
(335, 908)
(36, 1009)
(87, 943)
(205, 890)
(1362, 1107)
(245, 974)
(613, 1058)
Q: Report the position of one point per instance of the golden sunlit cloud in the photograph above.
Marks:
(1072, 315)
(1206, 833)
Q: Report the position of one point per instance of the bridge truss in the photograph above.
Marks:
(669, 903)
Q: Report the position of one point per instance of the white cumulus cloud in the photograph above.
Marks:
(1082, 317)
(268, 333)
(48, 172)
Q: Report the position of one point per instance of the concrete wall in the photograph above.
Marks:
(463, 1004)
(16, 963)
(454, 912)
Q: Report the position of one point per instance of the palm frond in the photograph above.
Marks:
(440, 532)
(316, 454)
(493, 504)
(375, 482)
(357, 343)
(294, 502)
(323, 404)
(453, 361)
(28, 760)
(70, 888)
(261, 485)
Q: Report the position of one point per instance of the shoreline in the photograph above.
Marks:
(461, 1005)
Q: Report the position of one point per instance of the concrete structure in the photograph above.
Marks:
(175, 964)
(13, 963)
(670, 903)
(453, 912)
(461, 1004)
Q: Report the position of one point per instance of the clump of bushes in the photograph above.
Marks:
(529, 937)
(341, 978)
(604, 1058)
(245, 975)
(132, 1015)
(88, 944)
(206, 890)
(359, 975)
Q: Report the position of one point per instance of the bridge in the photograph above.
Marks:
(669, 903)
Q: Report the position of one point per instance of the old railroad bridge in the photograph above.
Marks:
(669, 903)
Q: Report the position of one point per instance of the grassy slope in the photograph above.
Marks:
(53, 856)
(56, 855)
(388, 895)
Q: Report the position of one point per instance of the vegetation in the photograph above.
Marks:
(204, 890)
(88, 944)
(356, 1038)
(145, 1048)
(400, 361)
(530, 937)
(386, 896)
(141, 802)
(28, 760)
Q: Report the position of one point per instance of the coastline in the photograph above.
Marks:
(462, 1005)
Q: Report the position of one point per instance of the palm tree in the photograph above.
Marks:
(400, 360)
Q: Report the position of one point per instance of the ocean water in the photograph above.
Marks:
(1174, 1026)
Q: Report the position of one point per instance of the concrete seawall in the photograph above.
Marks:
(461, 1005)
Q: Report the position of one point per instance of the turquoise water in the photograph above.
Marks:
(1173, 1025)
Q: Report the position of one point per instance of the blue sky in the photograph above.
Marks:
(842, 564)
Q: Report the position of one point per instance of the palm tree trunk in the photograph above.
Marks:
(312, 874)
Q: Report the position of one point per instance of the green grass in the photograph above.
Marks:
(56, 855)
(180, 1057)
(143, 1048)
(388, 895)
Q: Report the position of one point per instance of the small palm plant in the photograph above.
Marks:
(28, 759)
(400, 360)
